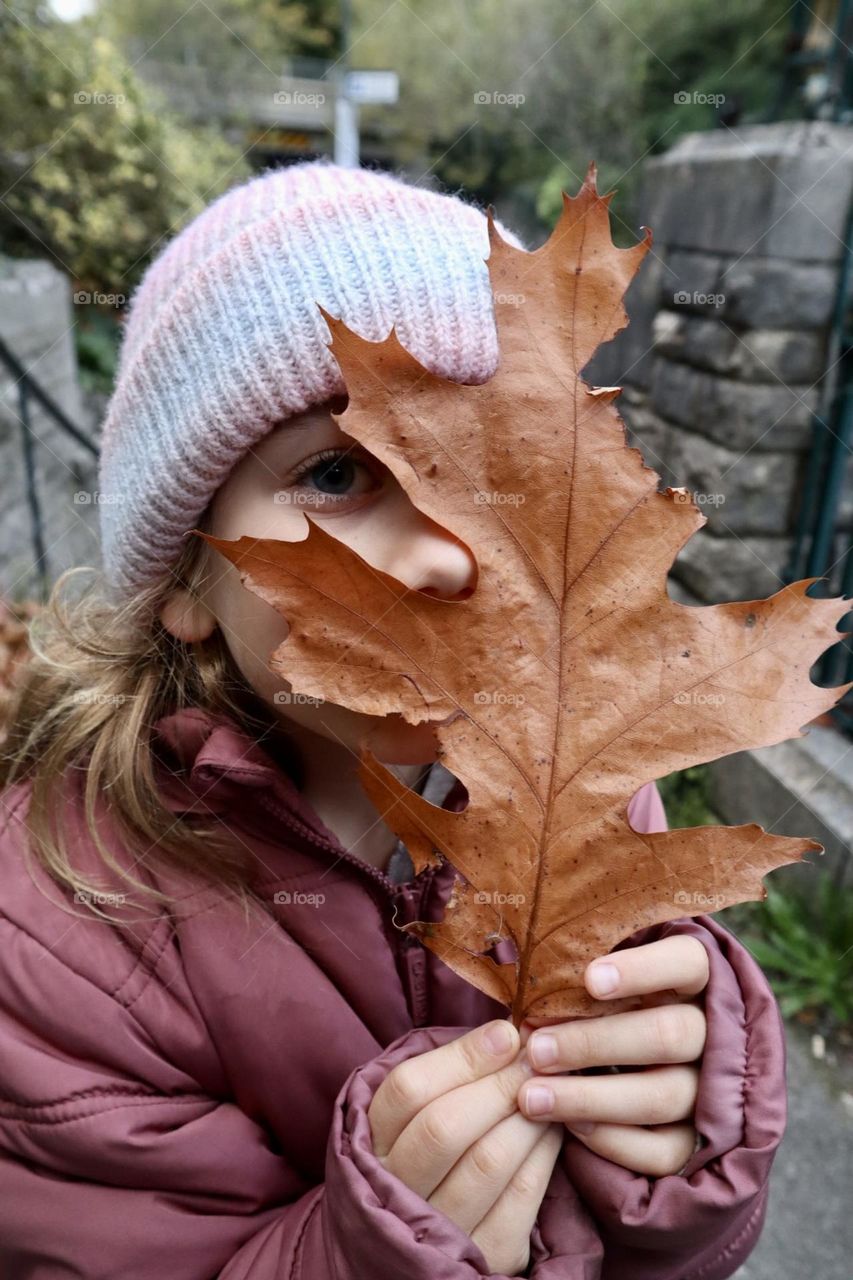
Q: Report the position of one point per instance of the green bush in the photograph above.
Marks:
(96, 173)
(686, 798)
(804, 942)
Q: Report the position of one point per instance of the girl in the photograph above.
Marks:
(221, 1056)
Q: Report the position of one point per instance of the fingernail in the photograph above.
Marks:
(603, 978)
(497, 1038)
(539, 1100)
(581, 1126)
(542, 1049)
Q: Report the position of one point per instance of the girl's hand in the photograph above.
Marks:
(608, 1113)
(447, 1124)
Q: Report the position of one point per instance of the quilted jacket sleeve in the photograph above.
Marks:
(703, 1223)
(386, 1220)
(107, 1170)
(104, 1175)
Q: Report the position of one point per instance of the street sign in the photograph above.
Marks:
(368, 88)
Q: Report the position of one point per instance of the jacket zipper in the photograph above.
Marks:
(411, 949)
(289, 820)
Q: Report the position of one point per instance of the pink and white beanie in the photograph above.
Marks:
(224, 338)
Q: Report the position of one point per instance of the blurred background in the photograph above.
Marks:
(724, 125)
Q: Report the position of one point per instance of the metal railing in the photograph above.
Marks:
(817, 75)
(819, 533)
(29, 390)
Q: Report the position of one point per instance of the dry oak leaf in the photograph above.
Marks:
(568, 679)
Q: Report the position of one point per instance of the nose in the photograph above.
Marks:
(426, 557)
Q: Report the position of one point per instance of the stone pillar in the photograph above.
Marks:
(722, 366)
(722, 363)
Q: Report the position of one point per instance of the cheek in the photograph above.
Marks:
(252, 630)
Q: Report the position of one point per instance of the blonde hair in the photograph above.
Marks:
(98, 678)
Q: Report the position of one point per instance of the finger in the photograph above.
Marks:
(442, 1132)
(413, 1084)
(678, 963)
(649, 1001)
(503, 1235)
(653, 1152)
(665, 1033)
(658, 1095)
(474, 1183)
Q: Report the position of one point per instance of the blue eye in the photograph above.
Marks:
(338, 474)
(335, 476)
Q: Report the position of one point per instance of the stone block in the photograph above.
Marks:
(689, 273)
(785, 355)
(648, 432)
(725, 569)
(626, 358)
(800, 787)
(679, 593)
(740, 493)
(701, 341)
(757, 355)
(739, 415)
(778, 190)
(768, 293)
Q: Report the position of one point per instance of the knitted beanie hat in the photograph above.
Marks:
(224, 338)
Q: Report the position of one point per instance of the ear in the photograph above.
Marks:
(187, 619)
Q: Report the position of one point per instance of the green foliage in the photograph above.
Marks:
(686, 798)
(684, 60)
(804, 941)
(97, 340)
(598, 81)
(731, 49)
(99, 184)
(97, 173)
(225, 35)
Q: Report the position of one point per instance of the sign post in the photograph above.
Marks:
(355, 89)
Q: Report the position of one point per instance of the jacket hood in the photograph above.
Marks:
(196, 748)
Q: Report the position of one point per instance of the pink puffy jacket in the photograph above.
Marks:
(187, 1098)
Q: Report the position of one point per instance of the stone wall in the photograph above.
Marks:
(723, 360)
(37, 323)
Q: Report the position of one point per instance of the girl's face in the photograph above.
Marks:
(308, 464)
